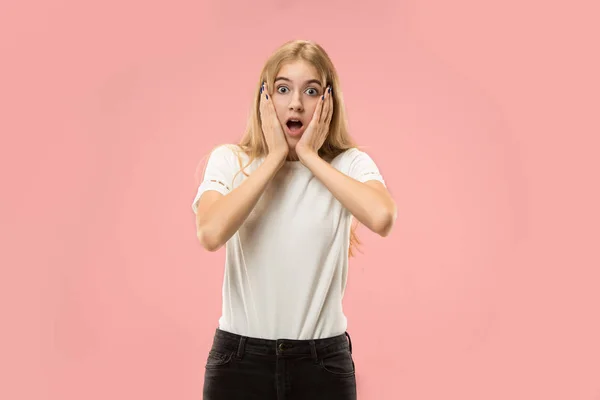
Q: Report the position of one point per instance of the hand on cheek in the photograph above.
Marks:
(271, 127)
(318, 128)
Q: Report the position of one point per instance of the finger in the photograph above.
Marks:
(319, 109)
(330, 108)
(268, 103)
(325, 111)
(261, 94)
(315, 115)
(270, 108)
(264, 98)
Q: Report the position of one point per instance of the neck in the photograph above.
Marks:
(292, 156)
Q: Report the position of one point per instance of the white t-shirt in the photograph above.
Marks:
(286, 267)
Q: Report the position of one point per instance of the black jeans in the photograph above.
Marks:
(246, 368)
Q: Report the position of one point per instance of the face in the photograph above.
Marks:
(297, 90)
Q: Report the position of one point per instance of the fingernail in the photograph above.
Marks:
(323, 97)
(261, 90)
(329, 89)
(267, 97)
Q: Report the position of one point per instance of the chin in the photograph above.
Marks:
(292, 141)
(292, 146)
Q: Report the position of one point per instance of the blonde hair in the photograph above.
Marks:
(253, 143)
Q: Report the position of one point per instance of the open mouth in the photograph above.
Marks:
(294, 126)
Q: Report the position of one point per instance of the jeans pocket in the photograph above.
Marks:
(218, 358)
(339, 363)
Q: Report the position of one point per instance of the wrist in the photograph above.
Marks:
(306, 155)
(277, 158)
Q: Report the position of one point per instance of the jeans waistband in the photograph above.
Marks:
(239, 344)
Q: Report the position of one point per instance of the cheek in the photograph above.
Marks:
(280, 107)
(311, 106)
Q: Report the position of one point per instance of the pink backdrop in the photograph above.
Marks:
(483, 117)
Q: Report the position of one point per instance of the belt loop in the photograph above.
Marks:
(241, 345)
(313, 351)
(349, 342)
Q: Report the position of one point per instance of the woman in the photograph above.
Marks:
(282, 201)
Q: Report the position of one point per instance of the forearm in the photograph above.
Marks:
(225, 216)
(373, 208)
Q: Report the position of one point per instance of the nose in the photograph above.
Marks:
(296, 102)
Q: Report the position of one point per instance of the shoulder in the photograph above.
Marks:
(229, 157)
(357, 164)
(225, 150)
(350, 156)
(225, 153)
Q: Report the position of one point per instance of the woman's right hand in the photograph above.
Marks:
(271, 126)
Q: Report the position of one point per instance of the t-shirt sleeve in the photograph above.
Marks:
(218, 175)
(363, 168)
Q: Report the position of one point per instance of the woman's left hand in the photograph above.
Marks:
(315, 134)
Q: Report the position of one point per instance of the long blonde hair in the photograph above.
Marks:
(253, 143)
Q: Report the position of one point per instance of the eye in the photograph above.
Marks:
(315, 92)
(279, 89)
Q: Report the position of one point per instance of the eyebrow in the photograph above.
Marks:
(283, 78)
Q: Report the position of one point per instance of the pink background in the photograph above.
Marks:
(483, 117)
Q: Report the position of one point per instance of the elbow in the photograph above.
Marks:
(383, 224)
(208, 241)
